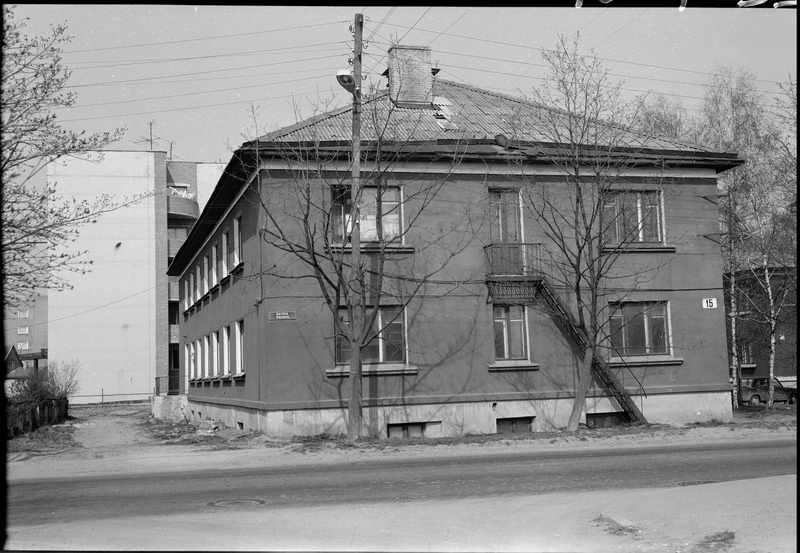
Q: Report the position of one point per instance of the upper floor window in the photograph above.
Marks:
(510, 333)
(197, 280)
(206, 275)
(639, 328)
(22, 345)
(236, 252)
(379, 213)
(224, 256)
(177, 233)
(22, 314)
(214, 261)
(22, 330)
(505, 219)
(633, 217)
(388, 346)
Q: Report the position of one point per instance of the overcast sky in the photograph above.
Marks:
(195, 71)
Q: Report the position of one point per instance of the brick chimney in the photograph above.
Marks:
(410, 78)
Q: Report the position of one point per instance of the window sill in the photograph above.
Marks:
(239, 376)
(224, 279)
(385, 369)
(214, 288)
(640, 248)
(369, 247)
(645, 361)
(521, 365)
(238, 268)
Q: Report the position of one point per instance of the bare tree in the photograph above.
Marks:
(35, 219)
(734, 119)
(584, 213)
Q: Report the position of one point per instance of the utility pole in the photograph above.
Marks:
(357, 282)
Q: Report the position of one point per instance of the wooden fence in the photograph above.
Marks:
(27, 416)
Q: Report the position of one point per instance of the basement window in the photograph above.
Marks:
(515, 425)
(403, 430)
(606, 420)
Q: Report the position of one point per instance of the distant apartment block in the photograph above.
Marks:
(119, 321)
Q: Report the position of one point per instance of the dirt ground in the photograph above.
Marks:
(100, 430)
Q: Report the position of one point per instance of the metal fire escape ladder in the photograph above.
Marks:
(599, 365)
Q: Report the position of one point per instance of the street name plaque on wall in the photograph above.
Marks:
(282, 315)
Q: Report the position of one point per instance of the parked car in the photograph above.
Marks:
(756, 391)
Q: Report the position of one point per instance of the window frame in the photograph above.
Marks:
(620, 217)
(225, 253)
(236, 253)
(341, 218)
(214, 260)
(23, 330)
(239, 343)
(507, 323)
(20, 314)
(23, 345)
(340, 342)
(649, 347)
(499, 217)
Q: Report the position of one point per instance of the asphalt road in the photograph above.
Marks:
(32, 502)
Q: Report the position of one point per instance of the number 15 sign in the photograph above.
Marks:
(709, 303)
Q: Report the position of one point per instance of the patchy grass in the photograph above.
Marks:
(166, 430)
(47, 439)
(721, 541)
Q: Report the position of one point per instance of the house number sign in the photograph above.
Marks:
(709, 303)
(282, 315)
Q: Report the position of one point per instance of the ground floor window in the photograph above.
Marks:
(388, 346)
(639, 328)
(510, 333)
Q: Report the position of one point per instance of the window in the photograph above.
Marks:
(187, 300)
(639, 328)
(187, 359)
(172, 313)
(632, 217)
(226, 350)
(22, 314)
(215, 353)
(388, 346)
(373, 199)
(192, 361)
(510, 334)
(514, 425)
(206, 271)
(505, 220)
(214, 261)
(224, 256)
(206, 355)
(22, 330)
(238, 331)
(236, 254)
(22, 345)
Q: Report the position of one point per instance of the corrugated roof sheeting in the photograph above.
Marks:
(472, 113)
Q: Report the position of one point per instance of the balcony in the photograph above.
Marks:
(174, 334)
(179, 207)
(173, 245)
(513, 271)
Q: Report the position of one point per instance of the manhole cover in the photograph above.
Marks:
(696, 482)
(236, 502)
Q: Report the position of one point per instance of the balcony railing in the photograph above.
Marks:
(182, 208)
(513, 259)
(168, 385)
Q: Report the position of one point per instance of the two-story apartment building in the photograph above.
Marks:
(468, 310)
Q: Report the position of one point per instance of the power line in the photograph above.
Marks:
(144, 45)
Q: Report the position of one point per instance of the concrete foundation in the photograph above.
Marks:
(170, 408)
(456, 419)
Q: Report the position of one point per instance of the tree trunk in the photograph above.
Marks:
(584, 379)
(734, 368)
(772, 329)
(354, 409)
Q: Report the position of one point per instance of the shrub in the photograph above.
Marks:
(58, 381)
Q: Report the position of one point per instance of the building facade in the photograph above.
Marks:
(472, 326)
(119, 319)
